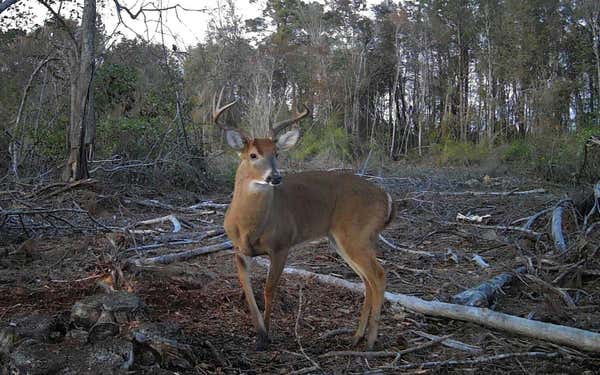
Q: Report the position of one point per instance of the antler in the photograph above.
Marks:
(218, 111)
(278, 127)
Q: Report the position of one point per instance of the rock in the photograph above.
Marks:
(111, 356)
(122, 307)
(472, 183)
(106, 326)
(77, 337)
(38, 327)
(162, 343)
(34, 358)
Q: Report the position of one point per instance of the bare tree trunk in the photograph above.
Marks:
(82, 126)
(490, 108)
(594, 20)
(17, 140)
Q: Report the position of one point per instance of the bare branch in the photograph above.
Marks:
(61, 20)
(143, 9)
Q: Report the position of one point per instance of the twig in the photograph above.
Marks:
(490, 193)
(528, 232)
(297, 325)
(478, 360)
(335, 332)
(350, 353)
(410, 251)
(77, 280)
(450, 343)
(306, 370)
(181, 256)
(531, 220)
(171, 218)
(562, 294)
(208, 204)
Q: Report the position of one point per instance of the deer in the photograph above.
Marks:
(271, 214)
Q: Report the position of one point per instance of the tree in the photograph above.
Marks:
(82, 129)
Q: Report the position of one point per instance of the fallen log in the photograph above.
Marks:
(181, 256)
(483, 294)
(578, 338)
(557, 234)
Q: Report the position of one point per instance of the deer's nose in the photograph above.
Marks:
(274, 179)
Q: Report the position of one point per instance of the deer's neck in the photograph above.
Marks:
(253, 199)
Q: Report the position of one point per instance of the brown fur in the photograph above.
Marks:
(269, 220)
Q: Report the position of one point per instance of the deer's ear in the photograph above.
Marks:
(235, 140)
(288, 140)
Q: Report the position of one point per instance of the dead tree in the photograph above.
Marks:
(82, 129)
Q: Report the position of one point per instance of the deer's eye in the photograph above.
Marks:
(252, 156)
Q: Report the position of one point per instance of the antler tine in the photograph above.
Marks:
(278, 127)
(217, 111)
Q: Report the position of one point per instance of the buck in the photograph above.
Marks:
(270, 214)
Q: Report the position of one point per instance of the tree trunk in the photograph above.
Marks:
(490, 108)
(82, 128)
(595, 18)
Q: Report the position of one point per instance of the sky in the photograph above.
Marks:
(181, 28)
(186, 28)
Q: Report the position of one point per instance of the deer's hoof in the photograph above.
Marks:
(356, 339)
(262, 343)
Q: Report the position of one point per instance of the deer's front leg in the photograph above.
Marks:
(241, 262)
(278, 259)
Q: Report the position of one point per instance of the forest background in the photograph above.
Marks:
(495, 84)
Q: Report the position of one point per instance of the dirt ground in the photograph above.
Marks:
(53, 263)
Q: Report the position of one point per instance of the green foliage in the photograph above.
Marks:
(556, 157)
(115, 85)
(330, 142)
(133, 137)
(51, 141)
(519, 150)
(461, 153)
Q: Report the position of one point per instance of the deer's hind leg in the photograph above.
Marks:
(360, 255)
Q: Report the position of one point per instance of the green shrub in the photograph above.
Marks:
(330, 142)
(461, 153)
(556, 157)
(134, 137)
(519, 150)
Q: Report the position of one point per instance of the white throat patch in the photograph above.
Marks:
(258, 185)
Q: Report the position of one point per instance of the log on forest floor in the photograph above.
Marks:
(557, 227)
(483, 294)
(575, 337)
